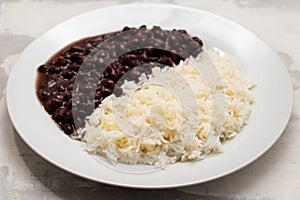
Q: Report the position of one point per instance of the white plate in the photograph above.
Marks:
(271, 111)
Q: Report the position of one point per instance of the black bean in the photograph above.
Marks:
(77, 57)
(89, 44)
(58, 96)
(124, 68)
(156, 28)
(70, 86)
(60, 87)
(121, 73)
(198, 40)
(174, 57)
(151, 59)
(108, 83)
(105, 91)
(115, 65)
(61, 61)
(182, 31)
(67, 74)
(69, 104)
(99, 39)
(143, 27)
(67, 55)
(77, 48)
(126, 28)
(44, 94)
(67, 96)
(98, 95)
(74, 67)
(54, 103)
(54, 69)
(111, 73)
(144, 56)
(135, 63)
(68, 117)
(44, 68)
(59, 114)
(67, 128)
(166, 61)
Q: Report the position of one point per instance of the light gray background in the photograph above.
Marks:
(25, 175)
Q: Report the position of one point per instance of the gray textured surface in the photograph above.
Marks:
(25, 175)
(3, 79)
(12, 44)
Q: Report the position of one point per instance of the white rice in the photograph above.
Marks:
(173, 115)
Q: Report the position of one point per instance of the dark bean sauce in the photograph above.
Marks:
(106, 58)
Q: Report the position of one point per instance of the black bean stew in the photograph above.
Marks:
(106, 58)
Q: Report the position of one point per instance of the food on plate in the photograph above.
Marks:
(145, 96)
(168, 115)
(100, 62)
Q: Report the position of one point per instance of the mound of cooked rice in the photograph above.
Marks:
(178, 113)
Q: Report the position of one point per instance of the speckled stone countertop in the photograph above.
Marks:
(25, 175)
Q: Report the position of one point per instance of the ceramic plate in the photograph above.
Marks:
(271, 110)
